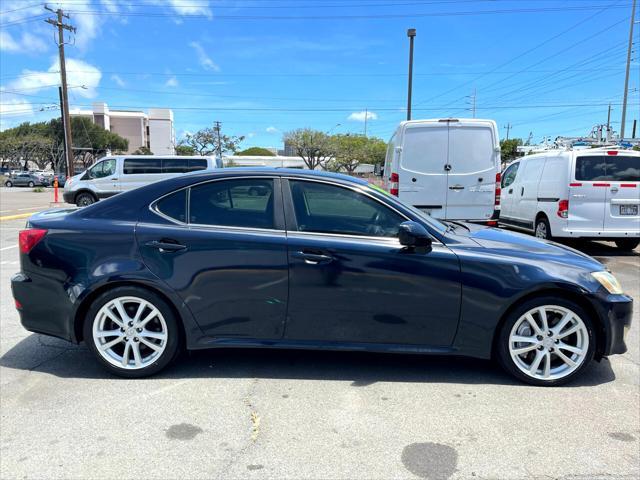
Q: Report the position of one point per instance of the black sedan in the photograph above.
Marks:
(318, 261)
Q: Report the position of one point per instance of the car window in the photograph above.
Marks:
(103, 169)
(324, 208)
(175, 165)
(509, 175)
(235, 203)
(174, 206)
(616, 168)
(591, 168)
(197, 164)
(142, 165)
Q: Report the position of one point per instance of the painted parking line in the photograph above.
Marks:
(9, 247)
(15, 217)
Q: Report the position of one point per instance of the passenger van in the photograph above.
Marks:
(449, 168)
(590, 194)
(114, 174)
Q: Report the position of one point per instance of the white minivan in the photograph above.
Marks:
(590, 194)
(120, 173)
(449, 168)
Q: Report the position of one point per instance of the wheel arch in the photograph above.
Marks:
(86, 302)
(567, 294)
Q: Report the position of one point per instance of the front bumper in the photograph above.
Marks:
(68, 197)
(615, 312)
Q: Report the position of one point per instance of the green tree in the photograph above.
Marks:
(205, 142)
(314, 146)
(257, 151)
(184, 150)
(143, 151)
(353, 150)
(509, 148)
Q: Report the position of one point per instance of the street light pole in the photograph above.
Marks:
(411, 33)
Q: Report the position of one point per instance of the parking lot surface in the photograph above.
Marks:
(295, 414)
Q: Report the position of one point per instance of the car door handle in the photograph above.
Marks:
(165, 246)
(522, 191)
(511, 190)
(456, 187)
(115, 178)
(313, 258)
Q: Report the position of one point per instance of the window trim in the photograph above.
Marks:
(277, 187)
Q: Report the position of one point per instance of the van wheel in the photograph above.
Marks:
(543, 229)
(627, 243)
(85, 199)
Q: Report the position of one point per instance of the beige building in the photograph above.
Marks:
(153, 130)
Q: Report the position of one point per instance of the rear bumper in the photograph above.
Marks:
(45, 306)
(615, 312)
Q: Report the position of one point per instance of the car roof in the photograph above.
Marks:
(282, 172)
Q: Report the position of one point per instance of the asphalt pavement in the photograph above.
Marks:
(296, 414)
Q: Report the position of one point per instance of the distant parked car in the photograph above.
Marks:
(591, 194)
(26, 180)
(121, 173)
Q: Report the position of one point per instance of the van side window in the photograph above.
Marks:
(197, 164)
(509, 175)
(142, 165)
(175, 165)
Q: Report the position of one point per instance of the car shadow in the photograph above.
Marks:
(61, 359)
(599, 249)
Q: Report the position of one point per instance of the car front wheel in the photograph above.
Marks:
(546, 341)
(8, 184)
(132, 332)
(84, 200)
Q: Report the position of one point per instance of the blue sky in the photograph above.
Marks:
(547, 66)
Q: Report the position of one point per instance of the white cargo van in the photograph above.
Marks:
(591, 194)
(114, 174)
(449, 168)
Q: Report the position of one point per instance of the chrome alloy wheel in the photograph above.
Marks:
(130, 333)
(549, 342)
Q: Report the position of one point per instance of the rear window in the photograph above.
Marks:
(174, 206)
(616, 168)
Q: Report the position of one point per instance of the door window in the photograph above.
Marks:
(235, 203)
(509, 175)
(616, 168)
(174, 206)
(326, 208)
(103, 169)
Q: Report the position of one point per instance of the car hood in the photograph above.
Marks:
(531, 248)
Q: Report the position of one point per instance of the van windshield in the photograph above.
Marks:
(616, 168)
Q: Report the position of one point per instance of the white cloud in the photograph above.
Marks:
(80, 74)
(272, 130)
(251, 134)
(118, 80)
(172, 82)
(203, 58)
(361, 116)
(27, 43)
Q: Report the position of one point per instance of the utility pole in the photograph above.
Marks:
(411, 33)
(626, 77)
(366, 116)
(508, 127)
(473, 103)
(217, 127)
(66, 120)
(64, 137)
(609, 118)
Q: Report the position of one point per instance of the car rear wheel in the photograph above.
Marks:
(132, 332)
(543, 229)
(546, 341)
(627, 243)
(8, 184)
(85, 199)
(31, 184)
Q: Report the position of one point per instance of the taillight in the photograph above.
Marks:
(18, 304)
(496, 202)
(563, 208)
(27, 239)
(394, 185)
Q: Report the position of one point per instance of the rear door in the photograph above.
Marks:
(623, 195)
(588, 194)
(473, 164)
(423, 164)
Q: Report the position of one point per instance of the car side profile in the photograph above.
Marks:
(277, 258)
(26, 179)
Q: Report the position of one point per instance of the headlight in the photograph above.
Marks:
(608, 281)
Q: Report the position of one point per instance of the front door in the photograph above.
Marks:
(229, 262)
(104, 178)
(350, 279)
(507, 191)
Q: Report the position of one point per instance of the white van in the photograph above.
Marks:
(449, 168)
(591, 194)
(114, 174)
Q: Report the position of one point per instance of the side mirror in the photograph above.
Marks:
(414, 235)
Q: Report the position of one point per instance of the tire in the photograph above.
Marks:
(541, 344)
(31, 184)
(627, 243)
(163, 322)
(85, 199)
(8, 184)
(542, 229)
